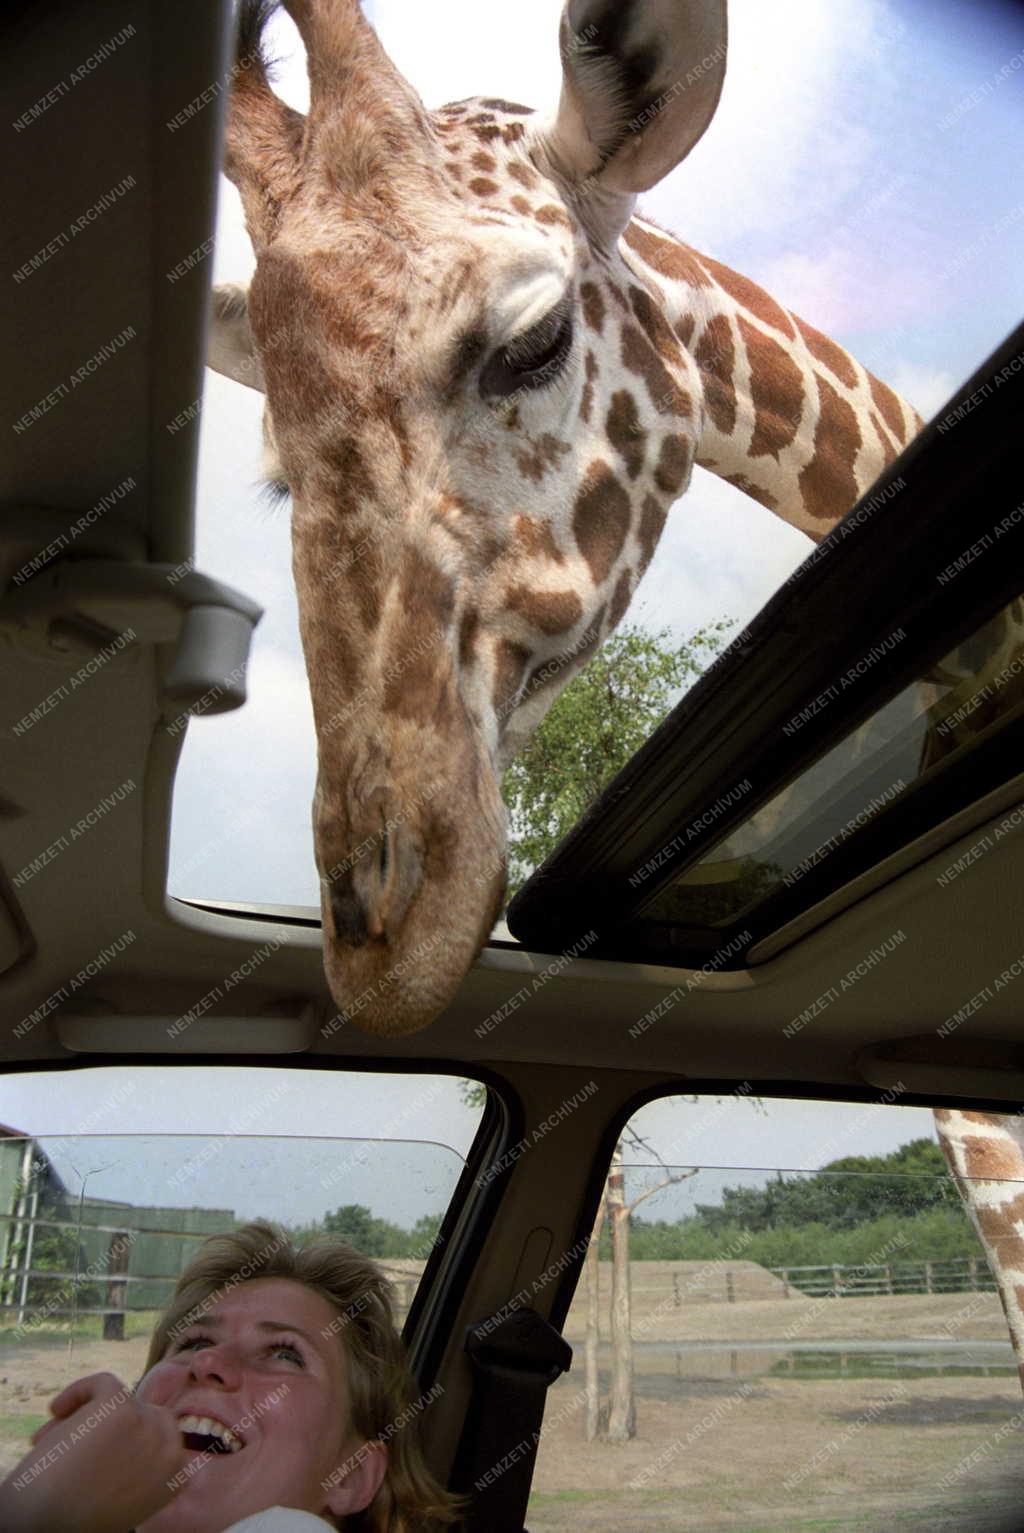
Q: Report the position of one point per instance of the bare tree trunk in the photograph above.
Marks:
(622, 1413)
(593, 1335)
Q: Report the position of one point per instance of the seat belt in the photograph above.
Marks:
(515, 1360)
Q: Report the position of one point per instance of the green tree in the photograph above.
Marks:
(600, 720)
(372, 1236)
(844, 1195)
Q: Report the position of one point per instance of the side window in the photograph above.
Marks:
(804, 1333)
(95, 1227)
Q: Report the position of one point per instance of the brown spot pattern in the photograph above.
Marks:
(625, 432)
(999, 1226)
(352, 480)
(523, 174)
(640, 357)
(548, 213)
(593, 306)
(666, 255)
(888, 451)
(550, 611)
(753, 490)
(654, 324)
(992, 1160)
(716, 358)
(587, 401)
(751, 297)
(888, 406)
(827, 483)
(521, 205)
(673, 465)
(482, 186)
(468, 630)
(484, 162)
(510, 662)
(535, 540)
(776, 392)
(826, 351)
(600, 519)
(543, 454)
(685, 328)
(620, 600)
(652, 520)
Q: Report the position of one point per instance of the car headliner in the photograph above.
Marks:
(550, 1037)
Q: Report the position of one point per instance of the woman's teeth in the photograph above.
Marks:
(205, 1426)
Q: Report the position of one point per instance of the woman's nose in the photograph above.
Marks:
(218, 1363)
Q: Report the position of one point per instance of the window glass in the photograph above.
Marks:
(958, 706)
(814, 1339)
(95, 1225)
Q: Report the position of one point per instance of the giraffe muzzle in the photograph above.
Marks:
(368, 901)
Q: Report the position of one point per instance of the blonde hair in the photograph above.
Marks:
(380, 1385)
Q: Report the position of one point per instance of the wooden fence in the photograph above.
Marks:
(132, 1264)
(968, 1274)
(127, 1266)
(109, 1252)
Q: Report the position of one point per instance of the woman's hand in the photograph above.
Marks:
(103, 1464)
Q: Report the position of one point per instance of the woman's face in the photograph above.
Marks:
(266, 1361)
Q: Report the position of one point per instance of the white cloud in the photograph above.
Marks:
(926, 388)
(462, 48)
(244, 790)
(721, 556)
(786, 140)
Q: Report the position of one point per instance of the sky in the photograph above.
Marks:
(864, 167)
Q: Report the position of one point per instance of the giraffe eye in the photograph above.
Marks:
(532, 360)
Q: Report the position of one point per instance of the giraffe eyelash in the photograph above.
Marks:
(524, 350)
(274, 492)
(533, 360)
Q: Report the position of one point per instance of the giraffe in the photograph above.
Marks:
(487, 380)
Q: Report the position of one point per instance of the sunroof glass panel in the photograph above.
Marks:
(971, 694)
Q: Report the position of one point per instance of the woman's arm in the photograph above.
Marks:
(105, 1463)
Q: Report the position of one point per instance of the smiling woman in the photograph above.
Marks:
(276, 1399)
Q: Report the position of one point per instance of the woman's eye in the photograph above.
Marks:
(292, 1353)
(531, 361)
(191, 1342)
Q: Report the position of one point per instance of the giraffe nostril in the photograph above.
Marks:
(348, 912)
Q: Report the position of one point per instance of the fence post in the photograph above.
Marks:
(118, 1257)
(928, 1285)
(972, 1273)
(837, 1282)
(785, 1282)
(888, 1277)
(729, 1290)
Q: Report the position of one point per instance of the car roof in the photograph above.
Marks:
(74, 447)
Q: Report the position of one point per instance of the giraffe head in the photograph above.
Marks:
(482, 417)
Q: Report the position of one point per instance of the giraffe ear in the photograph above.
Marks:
(229, 347)
(640, 84)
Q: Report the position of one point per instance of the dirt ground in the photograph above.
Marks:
(719, 1433)
(862, 1456)
(898, 1317)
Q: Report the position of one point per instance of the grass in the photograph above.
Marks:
(19, 1429)
(138, 1322)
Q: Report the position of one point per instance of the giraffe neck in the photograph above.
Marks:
(986, 1157)
(790, 417)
